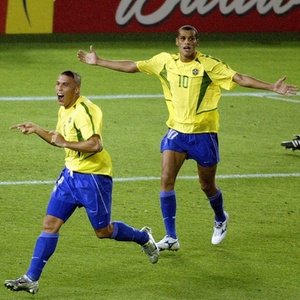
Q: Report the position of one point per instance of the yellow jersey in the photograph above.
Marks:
(79, 123)
(191, 90)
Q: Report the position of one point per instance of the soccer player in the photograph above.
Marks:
(292, 145)
(191, 83)
(85, 181)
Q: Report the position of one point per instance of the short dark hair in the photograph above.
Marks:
(189, 28)
(73, 75)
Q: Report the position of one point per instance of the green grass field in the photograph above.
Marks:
(260, 257)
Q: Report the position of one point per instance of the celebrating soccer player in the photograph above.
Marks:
(191, 83)
(86, 181)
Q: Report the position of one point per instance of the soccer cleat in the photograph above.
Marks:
(22, 283)
(168, 243)
(150, 247)
(220, 230)
(293, 145)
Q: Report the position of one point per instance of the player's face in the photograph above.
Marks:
(187, 43)
(67, 90)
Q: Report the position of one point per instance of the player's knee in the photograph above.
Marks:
(208, 189)
(104, 233)
(167, 184)
(52, 224)
(101, 235)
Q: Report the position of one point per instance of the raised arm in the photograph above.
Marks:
(278, 87)
(92, 58)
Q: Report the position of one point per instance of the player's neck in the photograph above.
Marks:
(187, 59)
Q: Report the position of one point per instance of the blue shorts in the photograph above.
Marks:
(73, 189)
(202, 147)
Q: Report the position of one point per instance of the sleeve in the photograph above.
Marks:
(153, 65)
(220, 73)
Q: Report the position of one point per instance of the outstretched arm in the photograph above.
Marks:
(93, 144)
(278, 87)
(29, 128)
(92, 58)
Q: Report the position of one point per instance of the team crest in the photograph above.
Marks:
(195, 72)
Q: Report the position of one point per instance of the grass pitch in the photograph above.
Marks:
(259, 259)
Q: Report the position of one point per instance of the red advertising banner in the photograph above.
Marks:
(96, 16)
(120, 16)
(3, 10)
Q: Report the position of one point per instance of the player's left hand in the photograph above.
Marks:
(285, 89)
(57, 139)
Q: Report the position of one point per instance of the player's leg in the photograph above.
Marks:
(171, 163)
(204, 148)
(121, 231)
(208, 186)
(97, 202)
(58, 211)
(215, 197)
(44, 248)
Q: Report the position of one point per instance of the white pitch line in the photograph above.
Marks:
(283, 99)
(151, 178)
(126, 96)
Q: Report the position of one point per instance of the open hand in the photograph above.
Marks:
(88, 58)
(285, 89)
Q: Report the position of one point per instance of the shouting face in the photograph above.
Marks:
(67, 90)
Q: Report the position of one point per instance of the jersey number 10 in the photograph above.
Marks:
(183, 81)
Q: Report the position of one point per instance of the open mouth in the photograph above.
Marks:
(60, 97)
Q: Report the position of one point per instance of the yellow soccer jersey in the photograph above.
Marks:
(192, 90)
(79, 123)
